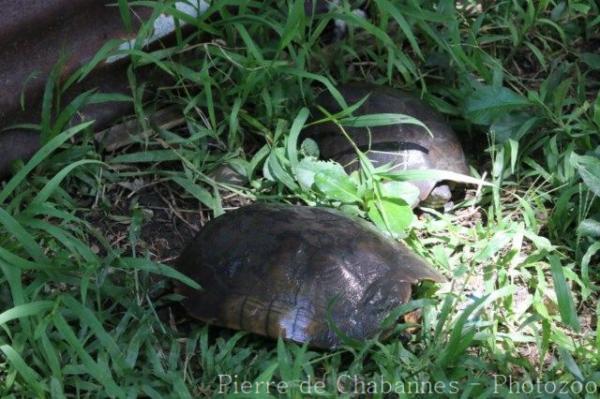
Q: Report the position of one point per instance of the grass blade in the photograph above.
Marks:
(157, 268)
(22, 236)
(29, 375)
(101, 374)
(25, 310)
(292, 141)
(566, 306)
(42, 154)
(52, 185)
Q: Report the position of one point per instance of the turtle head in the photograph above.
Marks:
(438, 197)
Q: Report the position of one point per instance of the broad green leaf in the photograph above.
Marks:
(500, 240)
(512, 125)
(336, 186)
(591, 59)
(589, 170)
(391, 214)
(540, 242)
(405, 191)
(307, 169)
(589, 228)
(487, 103)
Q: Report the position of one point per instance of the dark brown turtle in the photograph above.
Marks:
(15, 145)
(406, 146)
(275, 269)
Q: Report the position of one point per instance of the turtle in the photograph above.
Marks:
(294, 272)
(16, 145)
(403, 146)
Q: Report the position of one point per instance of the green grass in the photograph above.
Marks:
(85, 303)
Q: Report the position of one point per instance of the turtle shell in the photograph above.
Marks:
(405, 146)
(281, 270)
(15, 145)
